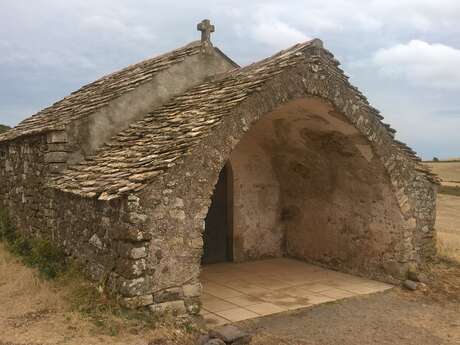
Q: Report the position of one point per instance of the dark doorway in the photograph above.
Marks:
(217, 235)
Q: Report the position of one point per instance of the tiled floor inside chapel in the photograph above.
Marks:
(239, 291)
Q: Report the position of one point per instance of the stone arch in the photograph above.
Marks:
(308, 185)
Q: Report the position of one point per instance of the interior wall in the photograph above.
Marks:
(308, 185)
(257, 231)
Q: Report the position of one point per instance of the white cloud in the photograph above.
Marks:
(421, 63)
(278, 34)
(422, 15)
(114, 26)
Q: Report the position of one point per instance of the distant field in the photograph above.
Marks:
(448, 207)
(449, 171)
(448, 225)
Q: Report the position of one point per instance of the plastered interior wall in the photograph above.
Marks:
(304, 175)
(257, 232)
(88, 134)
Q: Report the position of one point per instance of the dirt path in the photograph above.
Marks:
(393, 317)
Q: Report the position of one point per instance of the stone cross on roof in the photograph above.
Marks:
(206, 29)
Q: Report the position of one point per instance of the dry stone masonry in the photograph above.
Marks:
(121, 172)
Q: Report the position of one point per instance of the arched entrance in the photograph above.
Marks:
(306, 186)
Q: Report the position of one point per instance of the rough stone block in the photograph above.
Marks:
(193, 306)
(95, 241)
(137, 218)
(56, 167)
(196, 243)
(136, 302)
(231, 335)
(131, 268)
(133, 234)
(133, 287)
(132, 251)
(410, 285)
(192, 290)
(396, 269)
(177, 214)
(215, 341)
(203, 339)
(57, 137)
(59, 147)
(56, 157)
(167, 295)
(175, 307)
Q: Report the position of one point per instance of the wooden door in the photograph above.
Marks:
(216, 234)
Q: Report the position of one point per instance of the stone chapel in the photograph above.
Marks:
(187, 159)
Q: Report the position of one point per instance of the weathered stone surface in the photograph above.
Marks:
(192, 290)
(231, 335)
(56, 157)
(215, 341)
(133, 287)
(96, 242)
(57, 137)
(410, 285)
(203, 339)
(167, 295)
(136, 302)
(193, 305)
(132, 250)
(174, 307)
(131, 268)
(131, 234)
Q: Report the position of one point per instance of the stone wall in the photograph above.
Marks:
(25, 166)
(106, 237)
(257, 231)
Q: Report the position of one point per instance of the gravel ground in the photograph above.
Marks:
(399, 317)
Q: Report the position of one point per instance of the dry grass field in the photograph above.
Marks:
(448, 208)
(448, 226)
(449, 171)
(34, 311)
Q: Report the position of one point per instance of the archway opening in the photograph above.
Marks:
(306, 185)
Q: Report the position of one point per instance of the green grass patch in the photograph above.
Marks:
(41, 254)
(450, 190)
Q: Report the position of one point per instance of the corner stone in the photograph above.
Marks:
(192, 290)
(136, 302)
(175, 307)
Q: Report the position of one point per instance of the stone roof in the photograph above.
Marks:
(98, 94)
(150, 146)
(145, 150)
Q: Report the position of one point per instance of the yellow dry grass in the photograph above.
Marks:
(34, 311)
(448, 226)
(449, 172)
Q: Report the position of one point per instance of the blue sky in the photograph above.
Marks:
(404, 55)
